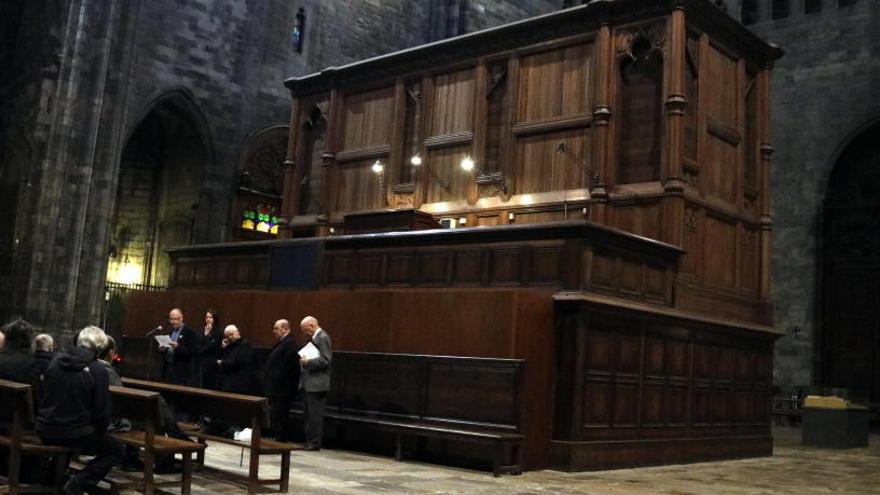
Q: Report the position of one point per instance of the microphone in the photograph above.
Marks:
(154, 331)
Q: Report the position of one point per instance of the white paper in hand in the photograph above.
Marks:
(309, 351)
(163, 340)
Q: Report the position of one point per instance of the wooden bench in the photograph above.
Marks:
(243, 410)
(17, 413)
(476, 400)
(786, 410)
(142, 408)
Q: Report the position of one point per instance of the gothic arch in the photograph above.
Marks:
(259, 184)
(848, 342)
(161, 198)
(183, 100)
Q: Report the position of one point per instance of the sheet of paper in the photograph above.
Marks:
(309, 351)
(163, 340)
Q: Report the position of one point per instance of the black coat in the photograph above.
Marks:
(43, 359)
(209, 351)
(236, 366)
(178, 367)
(281, 374)
(76, 402)
(19, 367)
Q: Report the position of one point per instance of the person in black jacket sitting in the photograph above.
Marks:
(75, 409)
(16, 362)
(235, 363)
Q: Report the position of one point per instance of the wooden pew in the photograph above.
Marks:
(142, 407)
(243, 410)
(16, 412)
(477, 400)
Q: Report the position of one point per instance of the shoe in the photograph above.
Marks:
(72, 487)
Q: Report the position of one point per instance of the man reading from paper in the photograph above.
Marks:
(315, 360)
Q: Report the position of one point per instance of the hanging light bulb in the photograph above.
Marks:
(378, 167)
(467, 163)
(416, 160)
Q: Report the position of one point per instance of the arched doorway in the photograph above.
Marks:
(159, 192)
(849, 345)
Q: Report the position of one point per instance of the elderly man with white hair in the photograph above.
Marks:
(75, 409)
(315, 380)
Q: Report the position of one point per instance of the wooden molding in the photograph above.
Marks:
(723, 131)
(363, 153)
(549, 125)
(451, 139)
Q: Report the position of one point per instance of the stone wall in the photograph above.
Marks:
(823, 90)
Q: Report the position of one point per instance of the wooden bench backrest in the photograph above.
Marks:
(446, 390)
(16, 407)
(239, 408)
(137, 405)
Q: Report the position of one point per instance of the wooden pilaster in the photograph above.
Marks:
(766, 249)
(602, 136)
(672, 206)
(291, 190)
(328, 158)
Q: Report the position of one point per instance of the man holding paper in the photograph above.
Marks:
(178, 350)
(315, 359)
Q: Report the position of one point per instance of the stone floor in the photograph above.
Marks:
(792, 469)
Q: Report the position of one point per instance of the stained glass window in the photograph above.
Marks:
(260, 218)
(299, 31)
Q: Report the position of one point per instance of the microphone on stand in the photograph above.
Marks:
(154, 331)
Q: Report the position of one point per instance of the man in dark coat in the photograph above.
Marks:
(76, 407)
(235, 363)
(281, 379)
(16, 362)
(181, 351)
(315, 380)
(44, 351)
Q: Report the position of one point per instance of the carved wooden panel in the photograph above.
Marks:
(553, 161)
(719, 252)
(539, 216)
(369, 271)
(469, 267)
(358, 187)
(368, 118)
(339, 269)
(399, 269)
(749, 259)
(642, 219)
(434, 267)
(723, 134)
(453, 103)
(446, 181)
(505, 266)
(546, 266)
(555, 83)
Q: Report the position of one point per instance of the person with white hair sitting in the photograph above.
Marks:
(44, 351)
(75, 409)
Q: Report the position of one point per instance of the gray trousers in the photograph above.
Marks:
(314, 411)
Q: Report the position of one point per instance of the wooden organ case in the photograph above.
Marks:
(620, 194)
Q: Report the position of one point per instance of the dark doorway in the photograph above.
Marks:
(159, 194)
(849, 345)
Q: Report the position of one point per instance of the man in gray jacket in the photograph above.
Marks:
(315, 381)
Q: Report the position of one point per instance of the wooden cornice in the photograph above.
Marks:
(516, 35)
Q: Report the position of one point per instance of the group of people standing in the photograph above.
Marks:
(71, 387)
(225, 361)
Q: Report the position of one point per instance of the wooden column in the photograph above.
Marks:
(397, 158)
(422, 177)
(480, 122)
(290, 196)
(328, 160)
(672, 207)
(602, 135)
(766, 248)
(508, 142)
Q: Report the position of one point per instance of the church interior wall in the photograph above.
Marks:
(823, 90)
